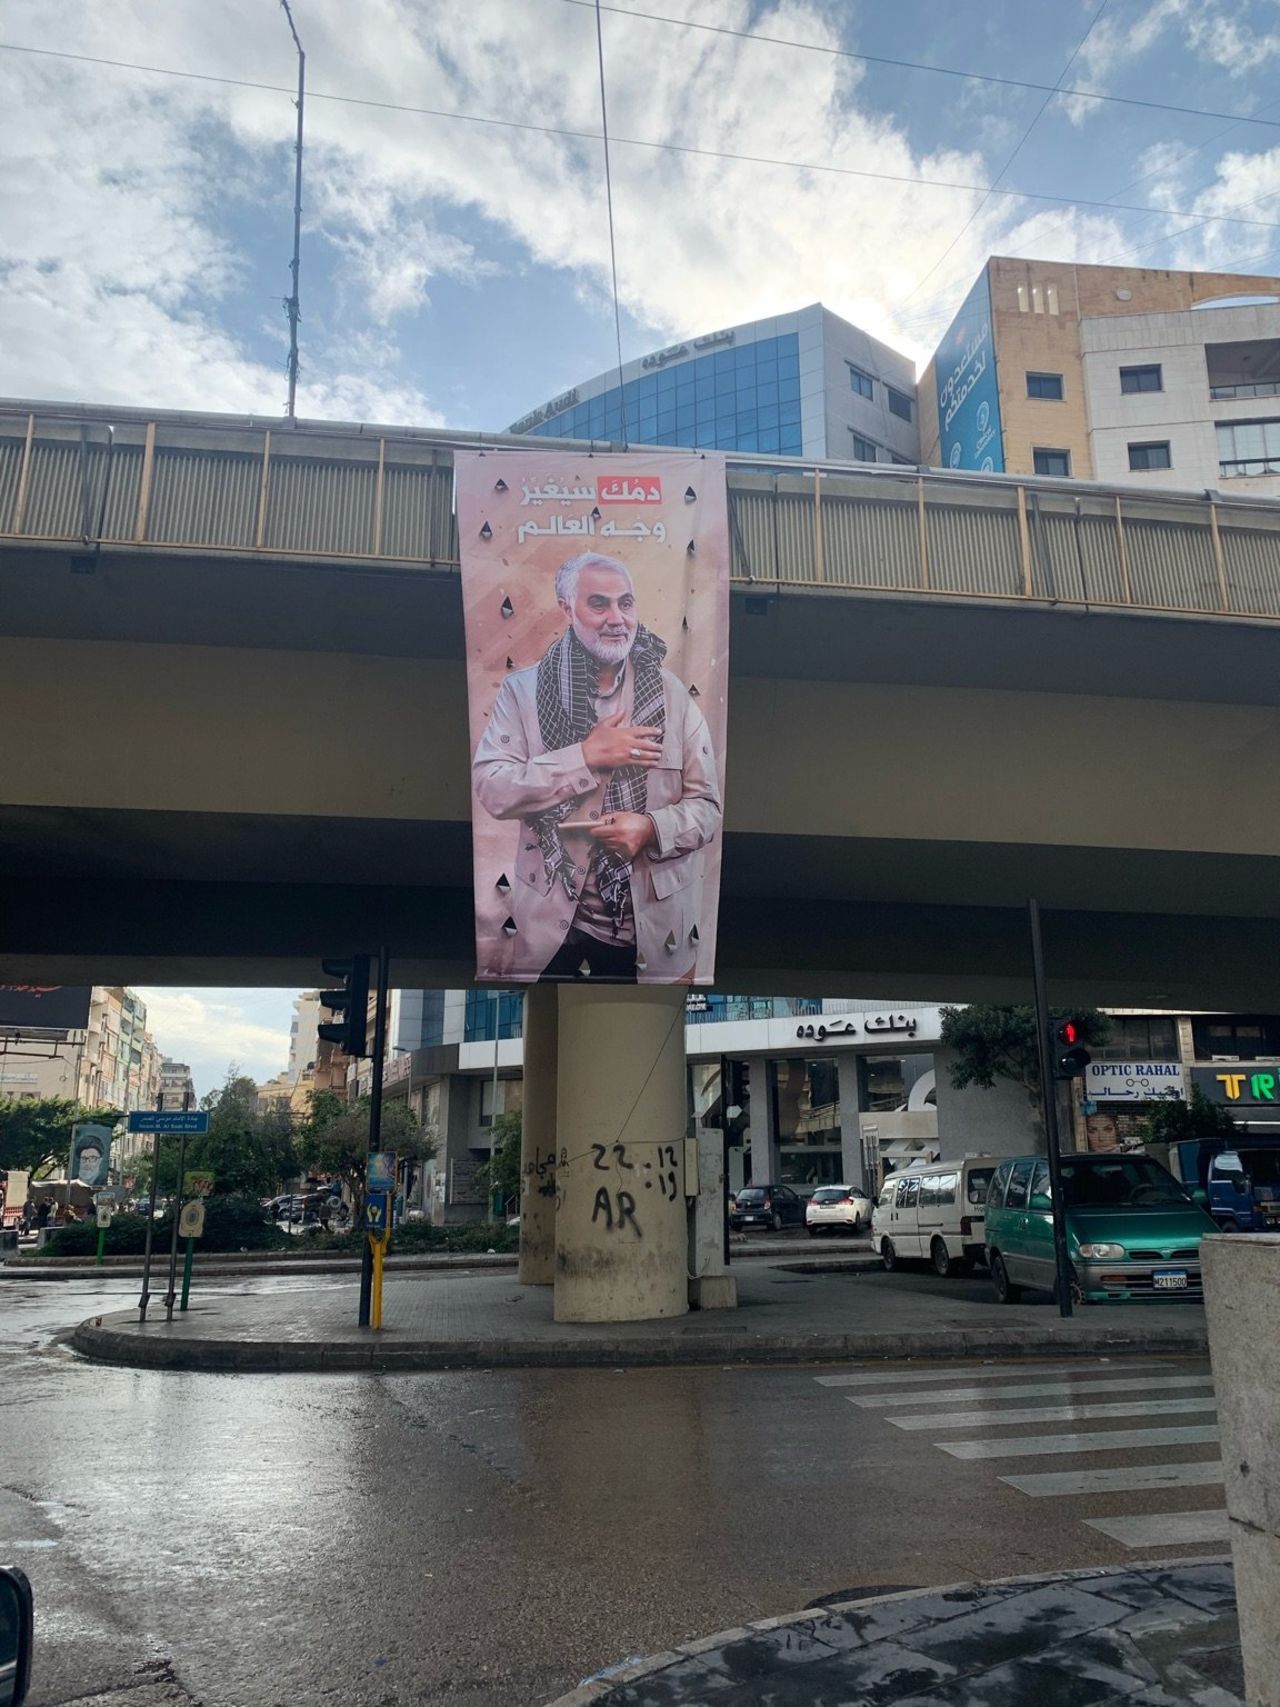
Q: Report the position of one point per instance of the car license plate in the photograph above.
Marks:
(1169, 1279)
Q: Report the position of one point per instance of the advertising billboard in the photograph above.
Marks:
(46, 1007)
(964, 371)
(596, 595)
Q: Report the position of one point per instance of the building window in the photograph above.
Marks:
(861, 382)
(1139, 1038)
(899, 403)
(1051, 461)
(1046, 386)
(1037, 299)
(1153, 455)
(1236, 1037)
(806, 1106)
(1248, 447)
(1148, 378)
(864, 450)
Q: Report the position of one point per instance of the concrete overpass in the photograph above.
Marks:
(234, 732)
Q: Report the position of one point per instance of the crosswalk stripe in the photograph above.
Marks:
(998, 1418)
(1032, 1390)
(1128, 1479)
(1103, 1440)
(993, 1372)
(1165, 1528)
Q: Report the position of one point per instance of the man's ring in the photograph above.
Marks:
(636, 753)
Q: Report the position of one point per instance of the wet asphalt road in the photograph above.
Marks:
(464, 1538)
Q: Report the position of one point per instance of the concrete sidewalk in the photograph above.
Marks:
(1158, 1635)
(489, 1320)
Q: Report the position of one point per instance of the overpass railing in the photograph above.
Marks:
(97, 479)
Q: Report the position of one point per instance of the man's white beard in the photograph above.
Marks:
(606, 651)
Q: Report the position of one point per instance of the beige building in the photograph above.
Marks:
(113, 1063)
(1126, 375)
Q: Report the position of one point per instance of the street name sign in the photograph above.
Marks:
(168, 1120)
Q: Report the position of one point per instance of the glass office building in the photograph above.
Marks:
(800, 385)
(746, 397)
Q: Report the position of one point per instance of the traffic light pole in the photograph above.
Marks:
(375, 1130)
(1049, 1102)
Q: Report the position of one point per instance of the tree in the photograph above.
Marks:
(1000, 1042)
(333, 1139)
(1174, 1121)
(249, 1154)
(502, 1174)
(35, 1132)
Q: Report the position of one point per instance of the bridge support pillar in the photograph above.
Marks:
(621, 1225)
(1241, 1290)
(538, 1142)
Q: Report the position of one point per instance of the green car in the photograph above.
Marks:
(1132, 1230)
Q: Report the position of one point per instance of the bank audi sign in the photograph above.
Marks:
(1134, 1081)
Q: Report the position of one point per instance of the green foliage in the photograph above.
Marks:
(230, 1224)
(1198, 1117)
(503, 1172)
(35, 1132)
(333, 1139)
(247, 1153)
(1000, 1042)
(414, 1238)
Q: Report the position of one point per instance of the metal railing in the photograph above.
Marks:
(1254, 388)
(126, 480)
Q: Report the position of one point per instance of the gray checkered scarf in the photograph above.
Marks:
(566, 693)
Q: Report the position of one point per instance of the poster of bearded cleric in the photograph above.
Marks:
(596, 591)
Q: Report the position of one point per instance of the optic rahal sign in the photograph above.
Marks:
(968, 396)
(596, 596)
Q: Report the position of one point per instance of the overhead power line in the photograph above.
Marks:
(936, 70)
(1021, 143)
(594, 136)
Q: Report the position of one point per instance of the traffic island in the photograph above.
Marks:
(1158, 1633)
(486, 1320)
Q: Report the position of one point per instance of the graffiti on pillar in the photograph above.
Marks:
(617, 1210)
(540, 1173)
(600, 1151)
(665, 1173)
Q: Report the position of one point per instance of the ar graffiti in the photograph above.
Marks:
(615, 1218)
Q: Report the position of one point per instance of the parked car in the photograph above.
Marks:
(1132, 1230)
(837, 1209)
(775, 1206)
(17, 1633)
(935, 1214)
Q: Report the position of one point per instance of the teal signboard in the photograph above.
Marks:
(968, 397)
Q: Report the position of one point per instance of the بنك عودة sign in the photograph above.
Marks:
(596, 596)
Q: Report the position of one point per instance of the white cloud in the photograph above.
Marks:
(142, 266)
(212, 1028)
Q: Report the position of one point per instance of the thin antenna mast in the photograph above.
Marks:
(291, 303)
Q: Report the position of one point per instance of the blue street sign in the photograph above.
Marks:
(171, 1120)
(377, 1213)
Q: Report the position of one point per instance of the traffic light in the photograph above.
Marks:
(1070, 1057)
(351, 1033)
(737, 1095)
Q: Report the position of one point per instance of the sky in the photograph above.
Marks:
(456, 272)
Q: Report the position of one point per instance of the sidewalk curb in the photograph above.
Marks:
(631, 1671)
(218, 1267)
(152, 1348)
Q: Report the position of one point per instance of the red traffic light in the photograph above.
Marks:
(1069, 1032)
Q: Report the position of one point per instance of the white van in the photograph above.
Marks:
(934, 1214)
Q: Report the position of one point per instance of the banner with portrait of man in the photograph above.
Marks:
(596, 593)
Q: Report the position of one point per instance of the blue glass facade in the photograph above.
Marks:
(482, 1010)
(745, 398)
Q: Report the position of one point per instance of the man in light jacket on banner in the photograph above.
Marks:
(606, 760)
